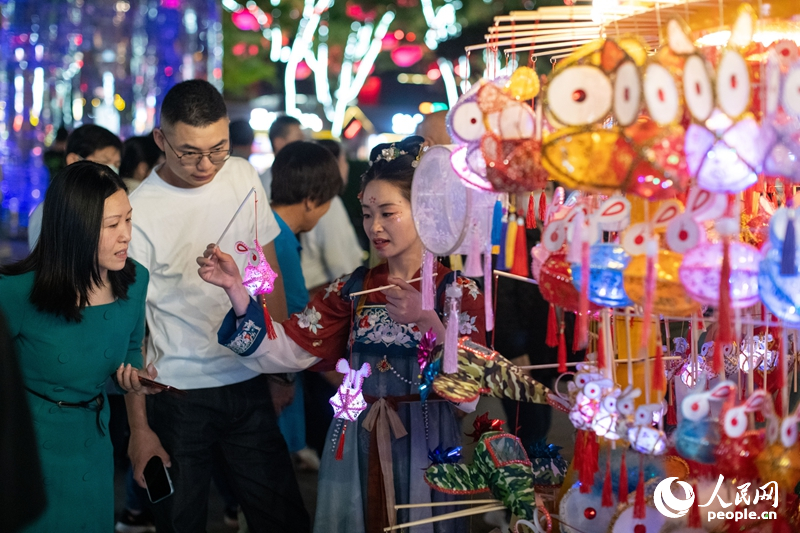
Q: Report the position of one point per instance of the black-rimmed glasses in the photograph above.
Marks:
(192, 159)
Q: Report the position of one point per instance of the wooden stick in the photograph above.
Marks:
(514, 276)
(359, 293)
(444, 504)
(236, 214)
(629, 342)
(555, 365)
(457, 514)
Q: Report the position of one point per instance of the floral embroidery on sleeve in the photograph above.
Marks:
(245, 339)
(309, 319)
(336, 286)
(470, 286)
(466, 324)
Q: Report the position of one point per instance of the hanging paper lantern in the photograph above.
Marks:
(607, 263)
(782, 118)
(604, 142)
(725, 146)
(669, 297)
(701, 269)
(555, 283)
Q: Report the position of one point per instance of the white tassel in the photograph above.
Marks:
(450, 363)
(428, 292)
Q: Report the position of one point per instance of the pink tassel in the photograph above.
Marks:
(488, 279)
(427, 281)
(450, 363)
(473, 267)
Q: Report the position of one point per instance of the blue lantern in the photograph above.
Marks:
(607, 261)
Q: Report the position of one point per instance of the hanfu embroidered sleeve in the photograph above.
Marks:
(249, 339)
(472, 319)
(322, 329)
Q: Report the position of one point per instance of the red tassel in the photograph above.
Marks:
(639, 508)
(562, 351)
(530, 214)
(608, 497)
(724, 335)
(623, 480)
(521, 257)
(658, 367)
(601, 347)
(588, 465)
(694, 511)
(552, 328)
(672, 415)
(543, 207)
(580, 446)
(271, 335)
(340, 447)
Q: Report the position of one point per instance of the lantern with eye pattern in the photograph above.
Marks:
(618, 115)
(725, 146)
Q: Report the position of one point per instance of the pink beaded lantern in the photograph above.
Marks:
(701, 270)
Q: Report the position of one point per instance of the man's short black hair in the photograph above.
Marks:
(280, 127)
(333, 147)
(193, 102)
(241, 133)
(88, 139)
(305, 170)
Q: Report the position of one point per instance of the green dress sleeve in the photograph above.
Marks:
(137, 294)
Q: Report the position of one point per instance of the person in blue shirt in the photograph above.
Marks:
(305, 178)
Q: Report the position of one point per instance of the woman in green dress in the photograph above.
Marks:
(75, 309)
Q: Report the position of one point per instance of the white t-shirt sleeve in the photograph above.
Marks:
(331, 248)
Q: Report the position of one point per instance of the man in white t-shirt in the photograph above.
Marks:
(182, 206)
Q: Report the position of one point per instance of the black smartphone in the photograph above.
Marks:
(159, 485)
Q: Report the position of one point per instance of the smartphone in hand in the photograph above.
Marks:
(159, 485)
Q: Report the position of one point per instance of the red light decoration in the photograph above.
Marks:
(245, 21)
(78, 40)
(389, 42)
(303, 71)
(370, 92)
(411, 36)
(238, 49)
(352, 129)
(252, 49)
(171, 4)
(168, 71)
(356, 12)
(399, 34)
(405, 56)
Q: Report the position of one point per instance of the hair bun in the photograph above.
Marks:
(408, 146)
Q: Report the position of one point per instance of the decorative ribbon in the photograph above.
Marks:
(382, 417)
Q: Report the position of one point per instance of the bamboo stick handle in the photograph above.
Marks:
(457, 514)
(444, 504)
(385, 287)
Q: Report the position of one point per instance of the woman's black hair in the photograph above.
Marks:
(394, 163)
(305, 171)
(138, 150)
(64, 260)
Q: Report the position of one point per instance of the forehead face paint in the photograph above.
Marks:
(372, 199)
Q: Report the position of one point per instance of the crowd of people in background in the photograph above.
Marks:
(111, 293)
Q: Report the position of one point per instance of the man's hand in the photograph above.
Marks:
(142, 446)
(218, 268)
(282, 395)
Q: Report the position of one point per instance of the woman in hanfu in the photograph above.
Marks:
(358, 483)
